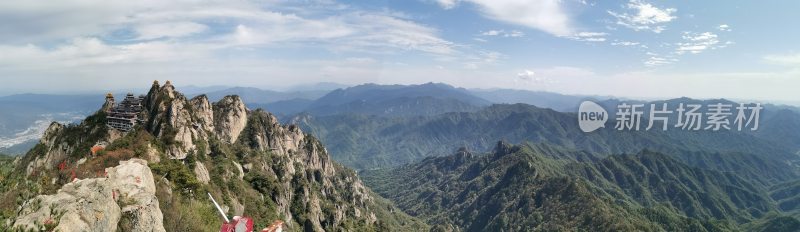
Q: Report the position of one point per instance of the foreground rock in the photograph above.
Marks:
(125, 198)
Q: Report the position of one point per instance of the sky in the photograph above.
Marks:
(634, 48)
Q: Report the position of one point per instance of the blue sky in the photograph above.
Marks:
(634, 48)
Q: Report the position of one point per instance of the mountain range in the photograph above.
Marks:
(369, 141)
(552, 188)
(306, 168)
(24, 112)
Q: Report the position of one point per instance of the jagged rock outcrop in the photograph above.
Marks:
(230, 118)
(185, 122)
(260, 167)
(303, 169)
(170, 115)
(55, 151)
(62, 141)
(126, 197)
(301, 156)
(109, 103)
(204, 112)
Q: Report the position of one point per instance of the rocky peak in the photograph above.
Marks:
(230, 118)
(285, 172)
(109, 103)
(504, 148)
(302, 165)
(127, 194)
(180, 122)
(48, 138)
(204, 112)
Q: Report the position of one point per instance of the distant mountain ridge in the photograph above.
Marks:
(391, 100)
(364, 142)
(556, 101)
(262, 96)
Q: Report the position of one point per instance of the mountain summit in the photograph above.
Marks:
(254, 165)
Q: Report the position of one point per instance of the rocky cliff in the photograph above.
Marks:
(245, 158)
(230, 118)
(127, 194)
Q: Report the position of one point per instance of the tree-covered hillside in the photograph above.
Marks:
(369, 141)
(546, 187)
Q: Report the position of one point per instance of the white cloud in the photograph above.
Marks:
(237, 24)
(724, 27)
(379, 32)
(544, 77)
(207, 40)
(625, 43)
(784, 59)
(172, 29)
(532, 78)
(526, 75)
(545, 15)
(92, 51)
(566, 71)
(447, 4)
(513, 33)
(588, 36)
(491, 33)
(655, 60)
(698, 42)
(644, 16)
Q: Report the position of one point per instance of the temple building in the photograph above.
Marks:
(125, 115)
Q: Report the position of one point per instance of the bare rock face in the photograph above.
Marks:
(56, 145)
(55, 151)
(204, 112)
(125, 198)
(180, 122)
(303, 179)
(170, 115)
(230, 118)
(301, 154)
(201, 172)
(267, 134)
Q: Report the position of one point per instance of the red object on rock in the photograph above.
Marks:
(238, 224)
(62, 165)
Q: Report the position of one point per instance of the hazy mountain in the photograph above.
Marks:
(778, 124)
(545, 187)
(363, 141)
(196, 90)
(325, 86)
(262, 96)
(396, 100)
(284, 107)
(556, 101)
